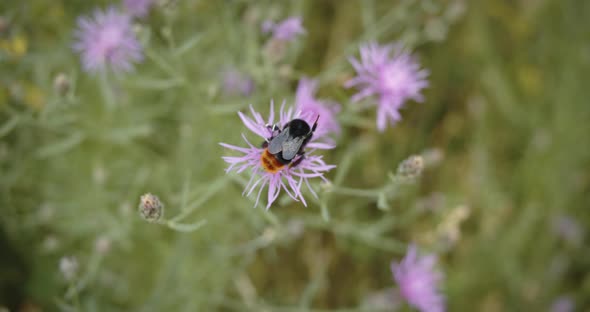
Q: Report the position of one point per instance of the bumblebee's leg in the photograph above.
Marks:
(298, 161)
(273, 128)
(301, 151)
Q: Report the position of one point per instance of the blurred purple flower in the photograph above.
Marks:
(138, 8)
(306, 102)
(267, 26)
(390, 73)
(563, 304)
(107, 40)
(286, 30)
(288, 178)
(568, 229)
(237, 83)
(419, 282)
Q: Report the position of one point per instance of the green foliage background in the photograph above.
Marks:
(507, 106)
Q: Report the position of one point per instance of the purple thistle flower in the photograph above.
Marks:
(562, 304)
(306, 102)
(267, 26)
(138, 8)
(418, 281)
(390, 73)
(107, 39)
(237, 83)
(568, 229)
(289, 179)
(286, 30)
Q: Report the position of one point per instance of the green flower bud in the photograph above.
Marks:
(151, 208)
(411, 168)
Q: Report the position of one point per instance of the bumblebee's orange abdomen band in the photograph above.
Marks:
(270, 163)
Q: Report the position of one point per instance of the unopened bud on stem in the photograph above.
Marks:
(411, 168)
(150, 207)
(61, 84)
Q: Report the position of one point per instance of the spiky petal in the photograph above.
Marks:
(309, 105)
(138, 8)
(418, 281)
(391, 74)
(286, 30)
(107, 40)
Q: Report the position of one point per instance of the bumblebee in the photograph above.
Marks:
(286, 144)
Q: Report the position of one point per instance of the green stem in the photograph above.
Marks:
(107, 90)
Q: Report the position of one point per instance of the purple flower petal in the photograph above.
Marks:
(235, 83)
(287, 30)
(311, 107)
(107, 40)
(392, 75)
(418, 281)
(138, 8)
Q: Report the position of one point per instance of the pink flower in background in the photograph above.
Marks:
(107, 40)
(287, 30)
(568, 229)
(138, 8)
(418, 281)
(267, 26)
(392, 75)
(237, 83)
(306, 102)
(562, 304)
(287, 178)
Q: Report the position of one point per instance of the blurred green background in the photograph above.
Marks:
(503, 199)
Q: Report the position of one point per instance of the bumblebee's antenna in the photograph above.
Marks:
(315, 124)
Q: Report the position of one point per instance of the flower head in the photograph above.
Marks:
(68, 267)
(390, 73)
(411, 168)
(289, 177)
(62, 84)
(568, 229)
(138, 8)
(306, 102)
(107, 39)
(237, 83)
(287, 30)
(418, 281)
(563, 304)
(150, 207)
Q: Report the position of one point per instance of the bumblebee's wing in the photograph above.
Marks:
(291, 147)
(276, 144)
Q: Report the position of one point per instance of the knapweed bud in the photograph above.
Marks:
(50, 244)
(102, 245)
(68, 267)
(275, 50)
(411, 168)
(3, 25)
(61, 84)
(326, 186)
(433, 157)
(251, 16)
(383, 300)
(285, 71)
(150, 207)
(295, 228)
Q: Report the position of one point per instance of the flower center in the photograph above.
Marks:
(109, 41)
(392, 79)
(414, 287)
